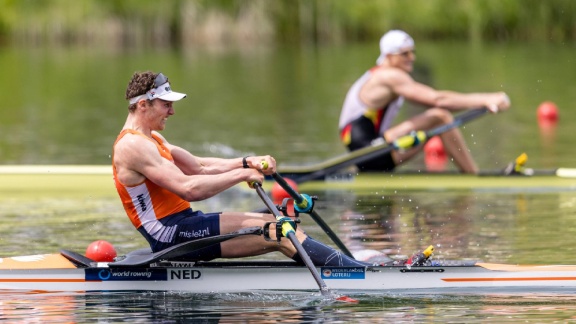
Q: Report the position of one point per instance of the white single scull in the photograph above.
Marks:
(58, 272)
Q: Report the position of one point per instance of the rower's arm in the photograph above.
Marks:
(192, 165)
(139, 157)
(402, 84)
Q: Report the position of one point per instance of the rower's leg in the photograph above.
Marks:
(323, 255)
(454, 143)
(252, 245)
(249, 245)
(456, 148)
(453, 140)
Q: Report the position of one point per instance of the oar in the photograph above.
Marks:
(289, 232)
(405, 142)
(305, 204)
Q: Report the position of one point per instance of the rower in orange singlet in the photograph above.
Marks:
(156, 181)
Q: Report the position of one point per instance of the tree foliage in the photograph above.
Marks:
(188, 22)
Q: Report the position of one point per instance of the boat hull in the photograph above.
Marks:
(223, 277)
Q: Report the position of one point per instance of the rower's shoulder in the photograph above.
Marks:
(159, 138)
(390, 73)
(133, 142)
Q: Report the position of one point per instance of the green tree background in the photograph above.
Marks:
(129, 23)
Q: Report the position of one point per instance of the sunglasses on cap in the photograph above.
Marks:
(160, 80)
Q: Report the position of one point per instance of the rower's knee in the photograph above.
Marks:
(440, 116)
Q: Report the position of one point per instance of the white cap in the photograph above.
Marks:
(393, 42)
(163, 92)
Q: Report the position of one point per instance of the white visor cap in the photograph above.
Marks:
(393, 42)
(163, 92)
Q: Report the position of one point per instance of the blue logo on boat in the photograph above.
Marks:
(104, 274)
(140, 274)
(343, 272)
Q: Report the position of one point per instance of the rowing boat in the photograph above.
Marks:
(143, 270)
(71, 272)
(396, 181)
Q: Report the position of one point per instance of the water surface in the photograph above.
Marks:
(65, 106)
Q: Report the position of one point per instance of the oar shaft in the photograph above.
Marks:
(286, 186)
(291, 235)
(299, 200)
(458, 121)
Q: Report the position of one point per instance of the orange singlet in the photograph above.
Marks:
(146, 203)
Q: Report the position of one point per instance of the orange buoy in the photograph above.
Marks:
(101, 251)
(435, 156)
(436, 164)
(547, 112)
(278, 193)
(347, 299)
(434, 147)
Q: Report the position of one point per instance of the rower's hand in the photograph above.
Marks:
(265, 164)
(253, 176)
(498, 101)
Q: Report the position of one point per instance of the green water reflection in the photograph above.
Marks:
(66, 105)
(491, 226)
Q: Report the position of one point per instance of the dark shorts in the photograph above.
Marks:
(190, 225)
(362, 133)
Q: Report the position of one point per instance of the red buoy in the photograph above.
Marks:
(101, 251)
(435, 156)
(547, 112)
(435, 148)
(278, 193)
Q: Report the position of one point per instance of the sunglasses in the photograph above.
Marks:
(160, 80)
(406, 53)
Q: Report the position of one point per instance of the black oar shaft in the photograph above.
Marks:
(325, 227)
(292, 237)
(286, 186)
(458, 121)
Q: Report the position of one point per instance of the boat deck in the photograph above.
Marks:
(443, 181)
